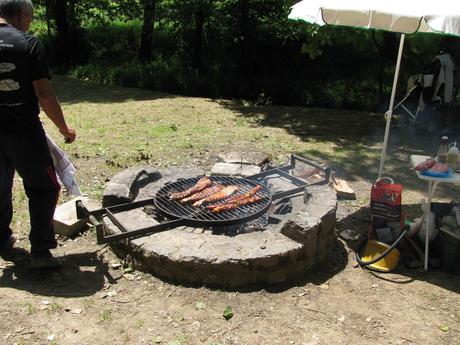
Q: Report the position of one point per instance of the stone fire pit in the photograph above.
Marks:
(300, 237)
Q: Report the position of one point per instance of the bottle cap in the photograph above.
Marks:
(445, 138)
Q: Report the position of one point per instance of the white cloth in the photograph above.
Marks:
(446, 78)
(65, 170)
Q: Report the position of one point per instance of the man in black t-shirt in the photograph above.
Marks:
(24, 83)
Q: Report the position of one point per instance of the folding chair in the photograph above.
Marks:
(428, 95)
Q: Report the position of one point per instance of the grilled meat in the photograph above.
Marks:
(232, 206)
(426, 164)
(237, 197)
(202, 183)
(439, 168)
(222, 194)
(203, 194)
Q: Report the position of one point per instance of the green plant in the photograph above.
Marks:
(139, 324)
(30, 308)
(106, 315)
(55, 307)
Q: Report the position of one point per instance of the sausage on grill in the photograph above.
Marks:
(203, 194)
(202, 183)
(227, 207)
(237, 197)
(222, 194)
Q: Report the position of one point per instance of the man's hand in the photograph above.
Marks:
(69, 135)
(52, 108)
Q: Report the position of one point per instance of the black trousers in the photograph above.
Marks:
(26, 152)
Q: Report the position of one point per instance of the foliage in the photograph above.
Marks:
(235, 49)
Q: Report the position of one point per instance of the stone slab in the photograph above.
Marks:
(168, 175)
(235, 169)
(234, 157)
(65, 219)
(122, 189)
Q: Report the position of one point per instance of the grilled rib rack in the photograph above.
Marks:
(201, 216)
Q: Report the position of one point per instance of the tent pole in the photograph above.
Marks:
(389, 113)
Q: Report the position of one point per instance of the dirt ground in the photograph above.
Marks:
(95, 299)
(92, 300)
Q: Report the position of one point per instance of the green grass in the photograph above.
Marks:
(106, 315)
(30, 308)
(122, 127)
(55, 307)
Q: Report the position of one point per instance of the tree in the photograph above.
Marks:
(146, 49)
(244, 35)
(386, 51)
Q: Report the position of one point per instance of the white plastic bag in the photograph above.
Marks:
(428, 217)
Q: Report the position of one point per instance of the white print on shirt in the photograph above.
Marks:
(11, 104)
(6, 67)
(6, 45)
(9, 85)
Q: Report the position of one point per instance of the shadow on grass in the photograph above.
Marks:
(357, 138)
(81, 275)
(340, 126)
(74, 91)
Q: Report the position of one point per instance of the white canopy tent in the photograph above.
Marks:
(402, 16)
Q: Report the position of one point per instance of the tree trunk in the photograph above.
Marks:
(48, 17)
(386, 51)
(145, 49)
(244, 36)
(62, 28)
(380, 59)
(60, 13)
(198, 40)
(73, 26)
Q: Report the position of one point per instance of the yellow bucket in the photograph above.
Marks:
(374, 249)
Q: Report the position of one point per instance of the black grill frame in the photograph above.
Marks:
(96, 216)
(201, 216)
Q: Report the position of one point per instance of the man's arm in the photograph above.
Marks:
(51, 107)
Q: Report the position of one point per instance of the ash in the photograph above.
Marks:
(282, 207)
(258, 224)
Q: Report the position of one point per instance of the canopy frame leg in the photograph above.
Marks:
(389, 113)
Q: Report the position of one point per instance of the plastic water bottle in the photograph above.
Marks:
(443, 149)
(452, 156)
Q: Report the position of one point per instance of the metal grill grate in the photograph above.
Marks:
(202, 215)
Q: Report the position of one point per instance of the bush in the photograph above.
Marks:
(117, 41)
(159, 75)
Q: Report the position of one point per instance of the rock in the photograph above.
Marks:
(235, 169)
(65, 219)
(73, 311)
(349, 235)
(122, 187)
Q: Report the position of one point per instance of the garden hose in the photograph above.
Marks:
(385, 253)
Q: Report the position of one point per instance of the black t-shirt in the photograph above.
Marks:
(22, 61)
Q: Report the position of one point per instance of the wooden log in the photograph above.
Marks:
(342, 188)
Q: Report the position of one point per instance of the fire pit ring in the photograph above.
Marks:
(302, 239)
